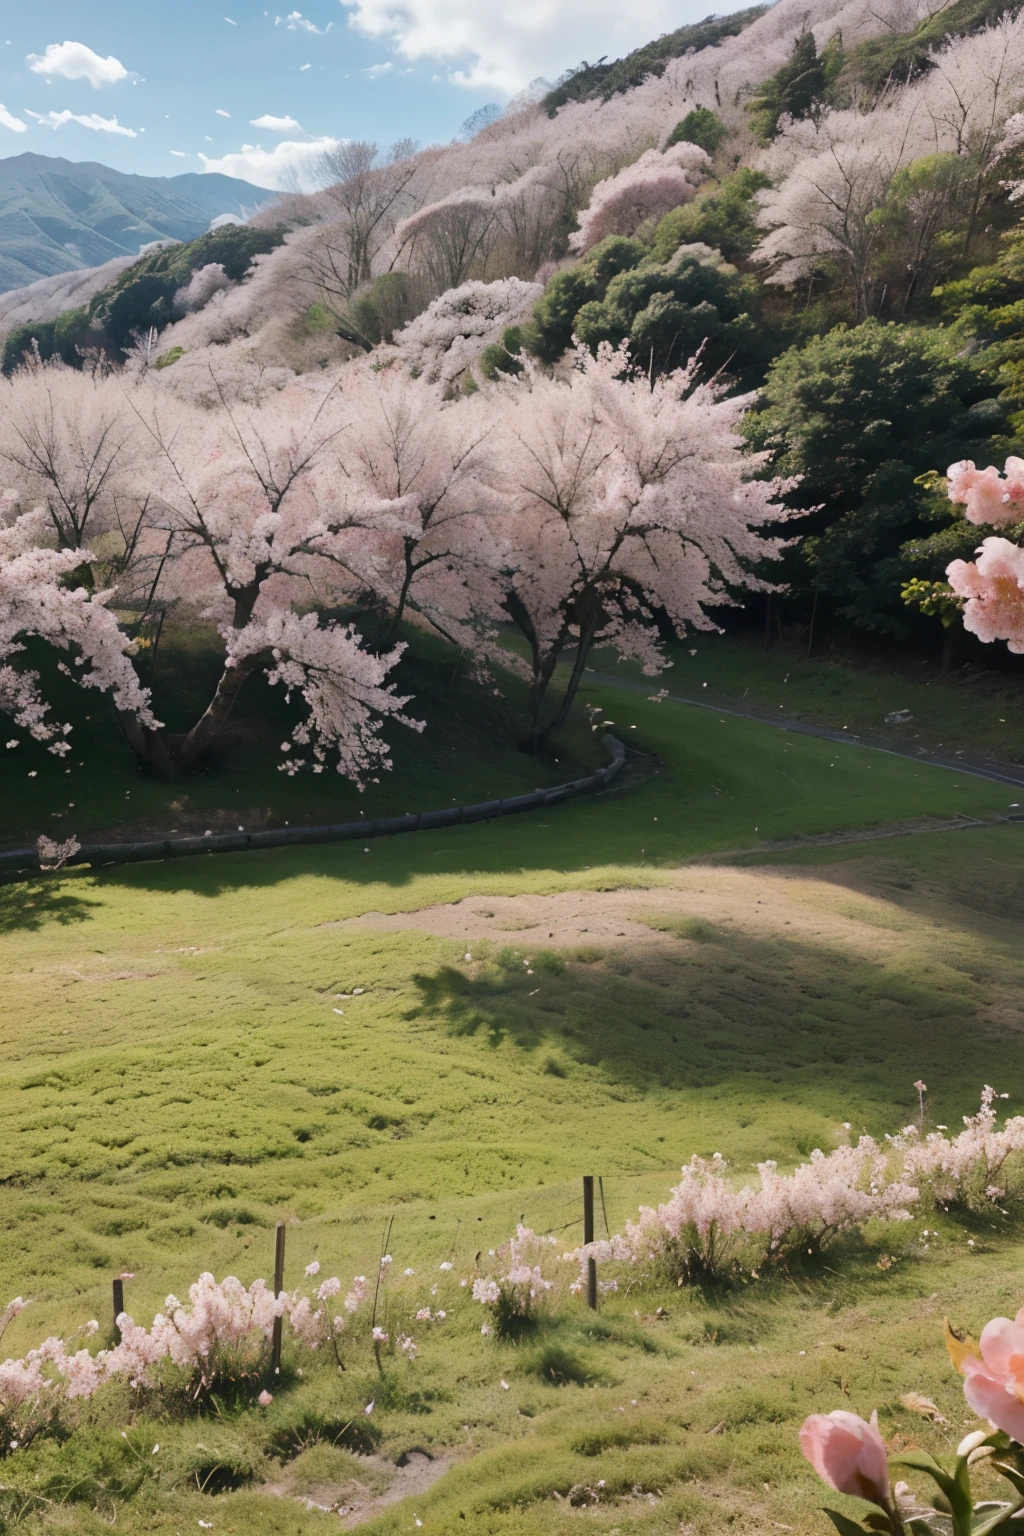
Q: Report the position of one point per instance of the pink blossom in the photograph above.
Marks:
(848, 1454)
(265, 1399)
(36, 602)
(355, 1296)
(993, 587)
(994, 1384)
(314, 1268)
(986, 496)
(650, 186)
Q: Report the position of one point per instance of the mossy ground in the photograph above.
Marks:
(175, 1076)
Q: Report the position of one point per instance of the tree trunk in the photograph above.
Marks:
(540, 740)
(810, 631)
(150, 747)
(215, 716)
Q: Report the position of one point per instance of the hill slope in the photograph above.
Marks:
(59, 215)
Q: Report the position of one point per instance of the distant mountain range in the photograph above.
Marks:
(60, 215)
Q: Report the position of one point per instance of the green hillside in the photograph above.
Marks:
(58, 215)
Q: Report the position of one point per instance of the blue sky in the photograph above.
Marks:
(160, 88)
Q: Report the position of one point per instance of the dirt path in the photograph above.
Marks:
(355, 1502)
(692, 904)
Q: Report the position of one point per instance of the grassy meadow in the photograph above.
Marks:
(608, 988)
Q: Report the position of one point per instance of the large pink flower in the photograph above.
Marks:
(988, 498)
(994, 1384)
(848, 1454)
(994, 588)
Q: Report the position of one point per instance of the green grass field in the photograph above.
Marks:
(175, 1076)
(973, 709)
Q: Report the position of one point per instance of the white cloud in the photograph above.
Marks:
(8, 120)
(85, 120)
(281, 169)
(304, 66)
(296, 22)
(503, 47)
(74, 61)
(222, 113)
(230, 22)
(276, 124)
(375, 70)
(179, 154)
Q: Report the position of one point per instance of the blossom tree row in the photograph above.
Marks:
(581, 508)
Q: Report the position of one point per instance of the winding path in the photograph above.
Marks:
(1002, 773)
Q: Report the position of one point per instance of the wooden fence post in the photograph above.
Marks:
(118, 1306)
(278, 1288)
(588, 1237)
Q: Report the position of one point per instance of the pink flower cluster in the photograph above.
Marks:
(653, 184)
(963, 1168)
(523, 1284)
(221, 1333)
(706, 1217)
(989, 498)
(991, 586)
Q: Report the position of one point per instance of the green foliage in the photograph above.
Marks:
(170, 357)
(61, 337)
(859, 414)
(318, 319)
(795, 90)
(22, 340)
(607, 80)
(503, 356)
(987, 306)
(934, 598)
(143, 294)
(701, 127)
(721, 215)
(554, 315)
(381, 308)
(898, 57)
(924, 225)
(140, 298)
(667, 312)
(71, 331)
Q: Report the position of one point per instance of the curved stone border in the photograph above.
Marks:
(26, 860)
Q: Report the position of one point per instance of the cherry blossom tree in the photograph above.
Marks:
(649, 187)
(71, 448)
(258, 504)
(620, 495)
(364, 189)
(413, 449)
(831, 174)
(452, 332)
(38, 601)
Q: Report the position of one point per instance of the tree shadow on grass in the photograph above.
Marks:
(786, 1019)
(35, 904)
